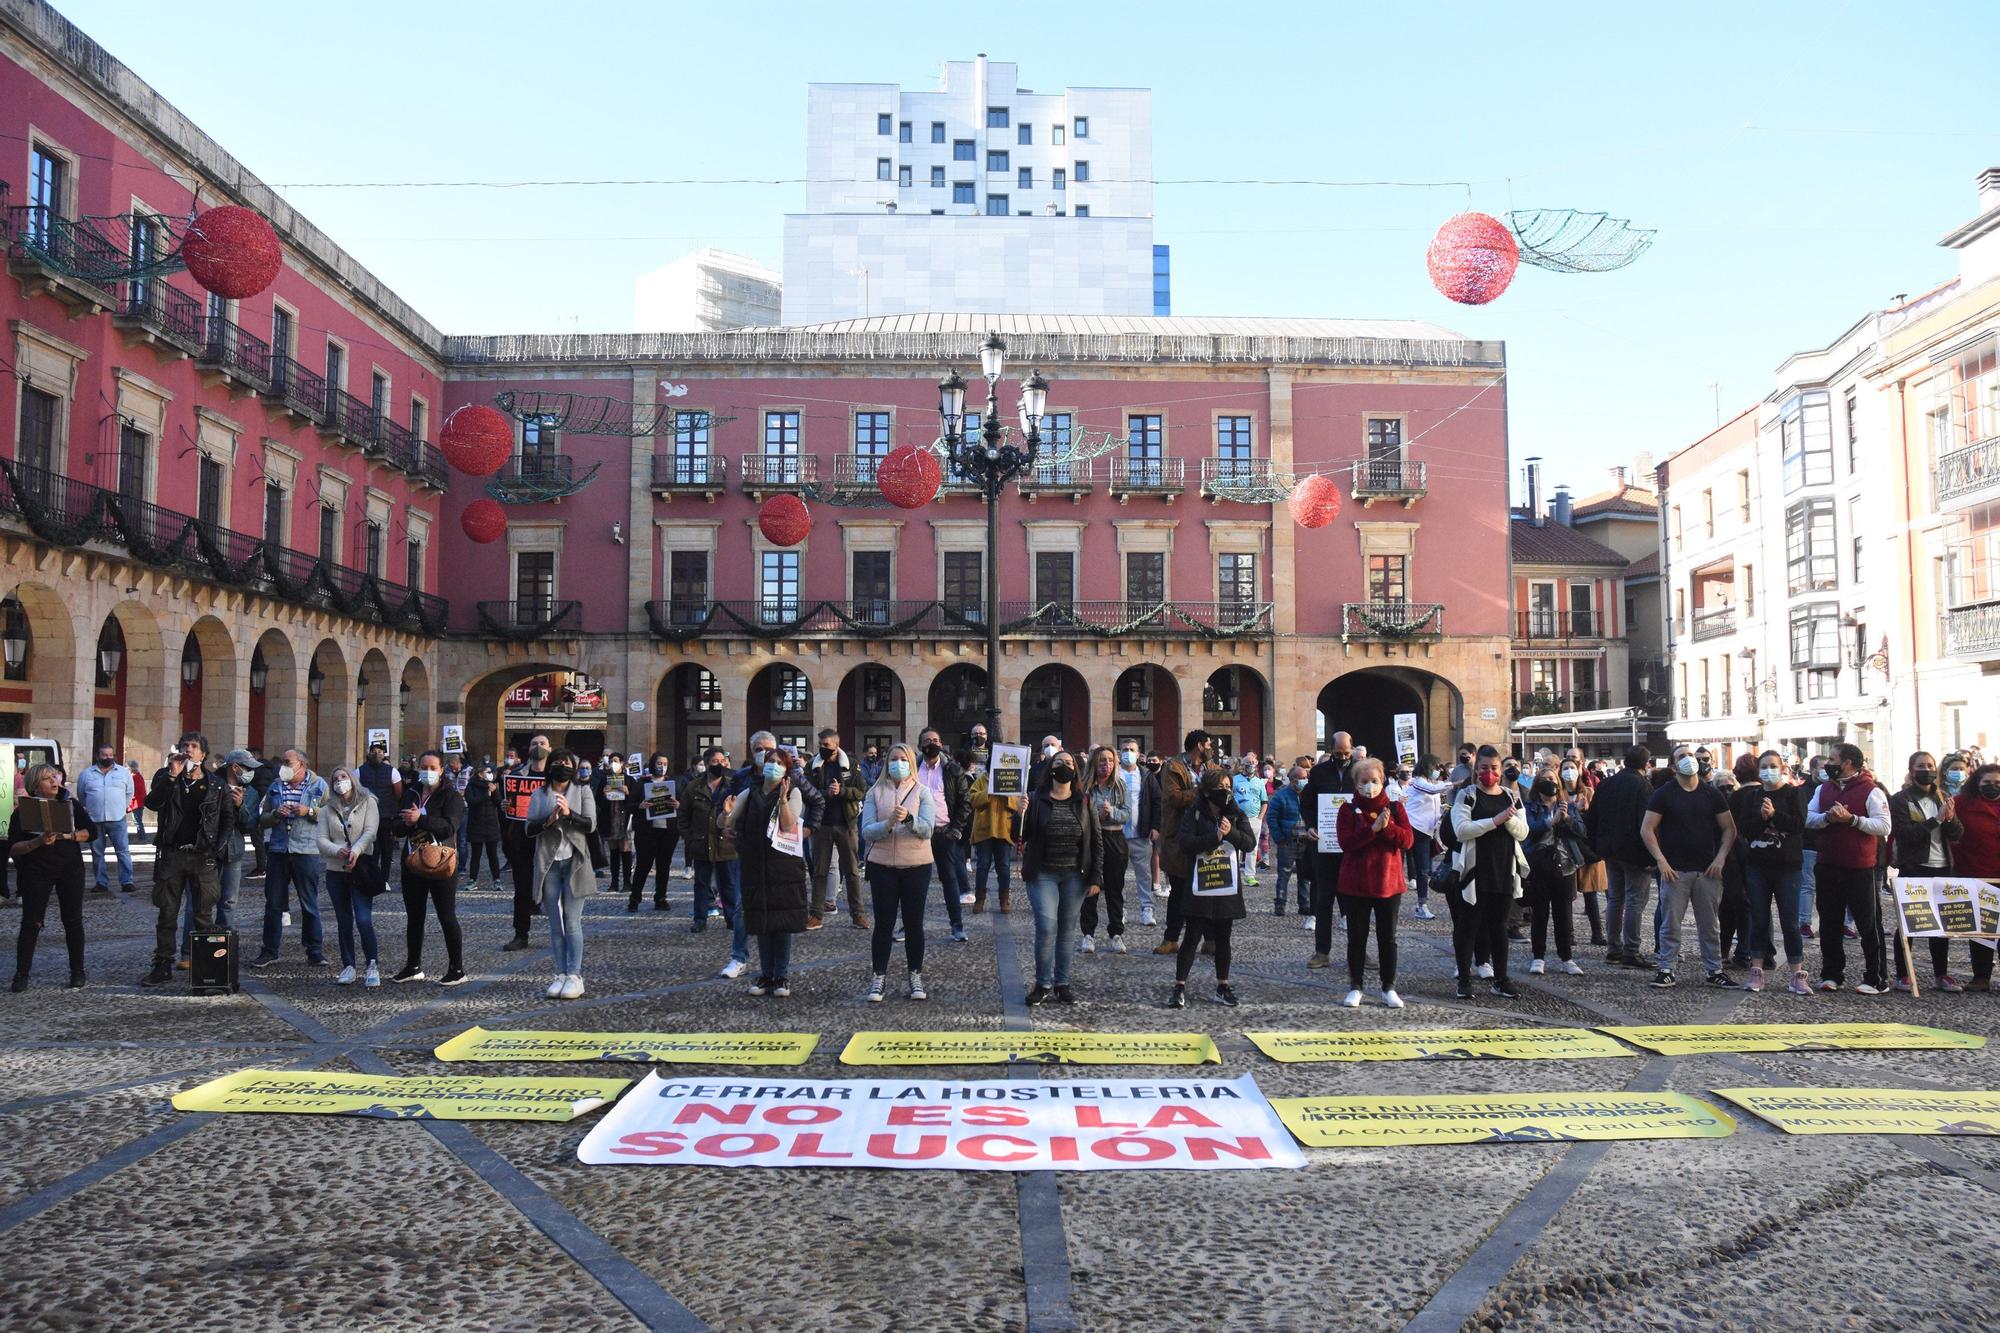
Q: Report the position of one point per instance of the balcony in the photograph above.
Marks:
(1235, 478)
(1712, 622)
(1071, 478)
(1164, 477)
(771, 474)
(557, 470)
(1557, 626)
(1392, 622)
(352, 420)
(1972, 632)
(66, 258)
(1965, 476)
(702, 474)
(301, 392)
(869, 619)
(1704, 704)
(1543, 703)
(404, 450)
(530, 618)
(153, 312)
(1389, 479)
(231, 356)
(854, 474)
(74, 515)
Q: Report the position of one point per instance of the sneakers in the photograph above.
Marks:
(1570, 968)
(1391, 999)
(1087, 944)
(455, 977)
(1249, 881)
(1317, 960)
(1756, 981)
(515, 945)
(1424, 913)
(346, 977)
(555, 989)
(917, 991)
(1805, 930)
(1039, 995)
(373, 977)
(1464, 988)
(876, 985)
(965, 899)
(1309, 922)
(1537, 968)
(1949, 984)
(1484, 971)
(1505, 990)
(761, 987)
(958, 935)
(1829, 984)
(1226, 994)
(732, 969)
(1663, 979)
(1178, 1000)
(1146, 919)
(76, 981)
(573, 987)
(162, 973)
(1902, 985)
(899, 935)
(409, 973)
(1799, 985)
(1063, 995)
(1351, 1000)
(1865, 989)
(263, 960)
(1117, 944)
(812, 923)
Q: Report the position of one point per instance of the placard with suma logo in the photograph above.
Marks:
(1941, 906)
(1041, 1048)
(1547, 1117)
(1007, 771)
(1215, 873)
(673, 1048)
(384, 1097)
(1193, 1124)
(1871, 1110)
(1440, 1044)
(1698, 1039)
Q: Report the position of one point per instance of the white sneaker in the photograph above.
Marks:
(1393, 1000)
(1425, 914)
(1308, 921)
(1146, 918)
(1088, 944)
(1569, 966)
(346, 977)
(1352, 999)
(573, 986)
(732, 969)
(1537, 968)
(288, 919)
(555, 990)
(965, 900)
(917, 991)
(374, 977)
(875, 988)
(1484, 971)
(1118, 944)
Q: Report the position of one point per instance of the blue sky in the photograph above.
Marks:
(1800, 161)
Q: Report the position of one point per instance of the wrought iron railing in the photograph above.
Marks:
(1544, 703)
(1558, 625)
(776, 618)
(1070, 477)
(1228, 478)
(1973, 631)
(1392, 620)
(302, 391)
(856, 472)
(1390, 479)
(530, 618)
(39, 237)
(779, 472)
(166, 311)
(228, 347)
(1147, 476)
(557, 469)
(353, 419)
(1712, 623)
(689, 472)
(1973, 468)
(63, 511)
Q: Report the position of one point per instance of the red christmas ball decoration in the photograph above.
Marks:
(784, 519)
(484, 521)
(232, 252)
(1472, 258)
(476, 439)
(909, 477)
(1315, 502)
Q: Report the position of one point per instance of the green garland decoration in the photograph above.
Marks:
(1393, 628)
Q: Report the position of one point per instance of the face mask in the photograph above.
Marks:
(538, 752)
(659, 770)
(288, 774)
(1048, 752)
(583, 774)
(428, 776)
(241, 774)
(1990, 790)
(104, 763)
(1128, 760)
(1769, 776)
(486, 775)
(899, 769)
(561, 772)
(1545, 789)
(1923, 777)
(617, 766)
(1569, 775)
(716, 772)
(1061, 773)
(1705, 767)
(1685, 766)
(1298, 784)
(1369, 790)
(1954, 782)
(930, 749)
(343, 786)
(773, 772)
(829, 750)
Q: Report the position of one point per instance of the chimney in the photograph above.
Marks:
(1535, 489)
(1560, 507)
(1618, 478)
(1989, 189)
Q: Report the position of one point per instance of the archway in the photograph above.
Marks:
(1234, 704)
(130, 705)
(510, 704)
(418, 734)
(39, 693)
(330, 709)
(277, 694)
(375, 693)
(687, 714)
(208, 684)
(1055, 701)
(1146, 707)
(781, 703)
(958, 699)
(871, 708)
(1365, 704)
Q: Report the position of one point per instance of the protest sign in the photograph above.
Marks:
(1215, 873)
(1698, 1039)
(388, 1098)
(1406, 739)
(1439, 1044)
(1329, 819)
(1552, 1117)
(1048, 1048)
(1007, 771)
(1193, 1124)
(516, 790)
(1946, 907)
(678, 1048)
(660, 802)
(454, 739)
(1870, 1110)
(378, 736)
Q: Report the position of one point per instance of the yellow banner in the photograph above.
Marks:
(1554, 1117)
(1440, 1044)
(1870, 1110)
(1046, 1048)
(674, 1048)
(1698, 1039)
(388, 1098)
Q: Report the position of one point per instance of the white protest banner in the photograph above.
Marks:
(454, 739)
(1329, 820)
(1007, 772)
(1423, 802)
(1406, 738)
(1184, 1124)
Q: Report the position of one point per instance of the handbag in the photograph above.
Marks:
(366, 876)
(428, 859)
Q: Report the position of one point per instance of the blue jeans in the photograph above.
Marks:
(1288, 868)
(774, 956)
(563, 906)
(719, 878)
(352, 911)
(1764, 884)
(994, 853)
(1057, 901)
(1417, 865)
(112, 832)
(949, 854)
(286, 871)
(1807, 894)
(1626, 889)
(230, 876)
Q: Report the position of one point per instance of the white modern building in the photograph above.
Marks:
(707, 291)
(978, 195)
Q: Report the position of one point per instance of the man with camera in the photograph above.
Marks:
(195, 818)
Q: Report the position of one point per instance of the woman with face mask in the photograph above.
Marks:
(1577, 789)
(48, 865)
(1551, 890)
(1770, 815)
(1923, 827)
(349, 823)
(1217, 840)
(1111, 802)
(898, 817)
(613, 792)
(767, 828)
(653, 842)
(1374, 833)
(482, 826)
(1976, 854)
(561, 815)
(431, 812)
(1062, 861)
(1487, 822)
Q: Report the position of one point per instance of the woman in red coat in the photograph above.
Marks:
(1976, 855)
(1374, 834)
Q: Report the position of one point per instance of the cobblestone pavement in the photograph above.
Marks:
(120, 1213)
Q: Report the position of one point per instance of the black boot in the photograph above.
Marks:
(617, 872)
(162, 973)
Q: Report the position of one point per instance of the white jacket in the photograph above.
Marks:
(1470, 832)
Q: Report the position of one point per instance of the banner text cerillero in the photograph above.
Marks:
(674, 1048)
(1049, 1048)
(1699, 1039)
(1871, 1110)
(387, 1097)
(1439, 1044)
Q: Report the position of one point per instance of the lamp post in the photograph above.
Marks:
(990, 461)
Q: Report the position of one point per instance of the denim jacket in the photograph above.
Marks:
(298, 836)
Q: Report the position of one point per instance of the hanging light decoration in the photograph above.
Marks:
(909, 477)
(476, 439)
(1315, 501)
(232, 252)
(784, 520)
(1472, 258)
(484, 521)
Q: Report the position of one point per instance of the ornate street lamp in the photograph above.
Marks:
(990, 461)
(14, 638)
(110, 653)
(260, 673)
(315, 682)
(191, 663)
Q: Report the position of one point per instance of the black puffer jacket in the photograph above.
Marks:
(1200, 833)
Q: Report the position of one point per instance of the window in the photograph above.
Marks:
(961, 151)
(882, 122)
(39, 412)
(1582, 610)
(274, 516)
(1082, 130)
(1583, 680)
(1542, 677)
(903, 177)
(1743, 496)
(1083, 210)
(1385, 453)
(937, 131)
(538, 446)
(961, 192)
(1145, 449)
(964, 583)
(937, 212)
(329, 535)
(413, 564)
(1680, 607)
(1854, 531)
(534, 585)
(996, 159)
(882, 165)
(1749, 594)
(1806, 441)
(144, 234)
(1236, 579)
(1058, 179)
(417, 422)
(1056, 135)
(371, 547)
(1025, 178)
(1055, 578)
(1541, 609)
(937, 178)
(281, 331)
(781, 434)
(790, 693)
(871, 444)
(1232, 448)
(1816, 636)
(878, 692)
(687, 587)
(996, 205)
(336, 366)
(692, 460)
(1082, 170)
(214, 311)
(902, 131)
(378, 394)
(1388, 578)
(1146, 577)
(778, 586)
(1222, 693)
(1853, 433)
(134, 445)
(871, 586)
(1809, 554)
(208, 494)
(1056, 429)
(48, 182)
(996, 117)
(1024, 134)
(1707, 514)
